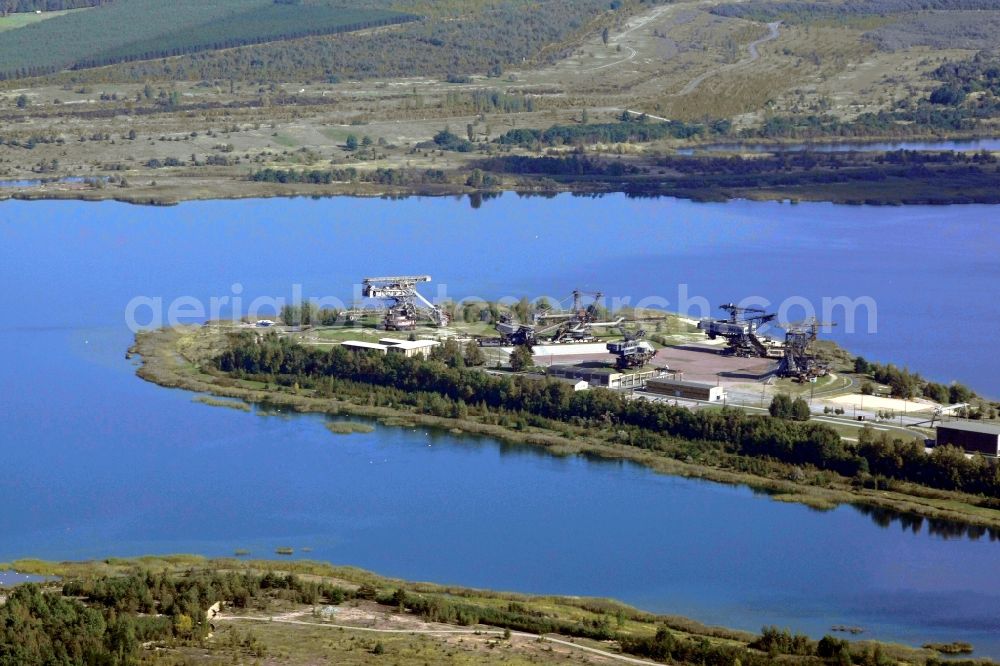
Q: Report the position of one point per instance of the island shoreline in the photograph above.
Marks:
(161, 364)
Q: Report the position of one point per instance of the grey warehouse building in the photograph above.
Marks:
(971, 436)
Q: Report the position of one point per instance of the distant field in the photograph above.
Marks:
(19, 20)
(146, 29)
(458, 37)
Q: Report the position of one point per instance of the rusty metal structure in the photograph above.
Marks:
(740, 330)
(799, 361)
(631, 351)
(575, 324)
(404, 305)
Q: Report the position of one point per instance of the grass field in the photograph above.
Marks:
(21, 19)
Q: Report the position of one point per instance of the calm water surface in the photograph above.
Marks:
(96, 462)
(11, 578)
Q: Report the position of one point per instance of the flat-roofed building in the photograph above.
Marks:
(575, 384)
(604, 377)
(971, 436)
(409, 348)
(360, 345)
(678, 388)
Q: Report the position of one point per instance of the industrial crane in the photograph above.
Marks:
(404, 304)
(513, 332)
(798, 361)
(590, 313)
(578, 323)
(740, 330)
(631, 351)
(574, 325)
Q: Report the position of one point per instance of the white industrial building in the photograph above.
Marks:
(408, 348)
(678, 388)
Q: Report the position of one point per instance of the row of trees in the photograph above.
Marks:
(663, 646)
(773, 643)
(805, 11)
(905, 384)
(784, 407)
(384, 176)
(488, 101)
(307, 313)
(642, 423)
(566, 165)
(634, 130)
(448, 140)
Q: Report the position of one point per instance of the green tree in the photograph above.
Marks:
(523, 309)
(308, 313)
(937, 392)
(862, 366)
(520, 358)
(474, 355)
(22, 101)
(291, 315)
(183, 625)
(449, 353)
(122, 640)
(800, 410)
(958, 393)
(351, 143)
(780, 407)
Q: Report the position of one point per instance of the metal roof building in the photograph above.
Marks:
(393, 346)
(360, 345)
(678, 388)
(973, 436)
(409, 347)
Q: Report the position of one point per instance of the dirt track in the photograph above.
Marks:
(752, 50)
(290, 618)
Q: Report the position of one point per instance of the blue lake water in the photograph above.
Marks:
(39, 181)
(971, 145)
(12, 578)
(96, 462)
